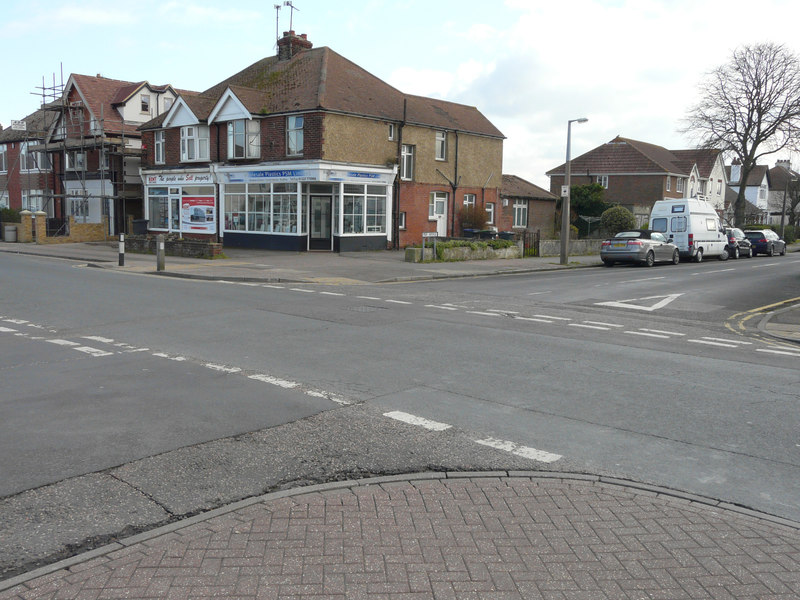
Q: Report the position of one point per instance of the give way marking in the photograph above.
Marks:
(643, 303)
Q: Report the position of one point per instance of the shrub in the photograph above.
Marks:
(9, 215)
(616, 219)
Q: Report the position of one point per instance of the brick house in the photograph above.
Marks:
(95, 147)
(525, 205)
(306, 150)
(26, 175)
(635, 174)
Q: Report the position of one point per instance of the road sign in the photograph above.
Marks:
(430, 234)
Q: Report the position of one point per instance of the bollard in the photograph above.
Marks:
(121, 249)
(160, 252)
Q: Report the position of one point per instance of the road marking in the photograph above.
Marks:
(175, 358)
(485, 314)
(414, 420)
(665, 299)
(332, 293)
(93, 351)
(7, 330)
(63, 342)
(274, 287)
(603, 324)
(758, 266)
(367, 297)
(327, 396)
(301, 290)
(523, 451)
(646, 334)
(274, 381)
(588, 326)
(16, 321)
(503, 312)
(640, 280)
(659, 331)
(399, 301)
(536, 320)
(710, 343)
(781, 352)
(97, 338)
(554, 318)
(249, 284)
(222, 368)
(442, 307)
(713, 339)
(715, 271)
(537, 293)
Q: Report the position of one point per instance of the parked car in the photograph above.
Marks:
(738, 244)
(639, 246)
(765, 241)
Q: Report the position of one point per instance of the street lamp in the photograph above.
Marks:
(565, 196)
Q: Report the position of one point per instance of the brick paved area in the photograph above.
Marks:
(451, 538)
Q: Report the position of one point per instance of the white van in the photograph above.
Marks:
(693, 225)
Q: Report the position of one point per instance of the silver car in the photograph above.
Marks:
(639, 246)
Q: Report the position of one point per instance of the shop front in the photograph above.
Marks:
(184, 203)
(308, 206)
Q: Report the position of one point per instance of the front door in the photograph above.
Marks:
(320, 226)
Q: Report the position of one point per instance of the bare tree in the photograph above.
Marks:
(750, 108)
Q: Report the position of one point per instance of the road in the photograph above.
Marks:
(132, 400)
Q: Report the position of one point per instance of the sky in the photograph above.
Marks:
(631, 67)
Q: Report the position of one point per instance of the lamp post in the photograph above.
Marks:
(565, 196)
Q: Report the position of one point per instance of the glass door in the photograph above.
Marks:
(320, 226)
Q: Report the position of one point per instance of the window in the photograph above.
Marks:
(719, 187)
(603, 180)
(158, 203)
(3, 158)
(391, 132)
(364, 208)
(3, 199)
(490, 213)
(145, 103)
(762, 192)
(284, 207)
(160, 145)
(679, 185)
(669, 183)
(520, 213)
(244, 138)
(678, 224)
(711, 224)
(437, 204)
(30, 160)
(76, 161)
(79, 207)
(469, 199)
(105, 159)
(194, 143)
(659, 224)
(407, 162)
(401, 220)
(294, 136)
(167, 104)
(441, 145)
(32, 200)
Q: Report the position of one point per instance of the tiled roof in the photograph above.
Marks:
(780, 176)
(321, 79)
(516, 187)
(754, 178)
(37, 125)
(100, 94)
(624, 155)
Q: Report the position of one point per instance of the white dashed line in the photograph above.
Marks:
(331, 294)
(7, 330)
(781, 352)
(175, 358)
(367, 297)
(399, 301)
(92, 351)
(63, 342)
(713, 339)
(535, 320)
(327, 396)
(485, 314)
(274, 287)
(301, 290)
(523, 451)
(662, 332)
(603, 324)
(441, 307)
(222, 368)
(647, 334)
(585, 326)
(414, 420)
(552, 318)
(640, 280)
(275, 381)
(16, 321)
(97, 338)
(537, 293)
(503, 312)
(710, 343)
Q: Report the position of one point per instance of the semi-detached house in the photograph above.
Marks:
(306, 150)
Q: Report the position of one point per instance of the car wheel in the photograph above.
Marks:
(650, 259)
(735, 255)
(783, 250)
(724, 255)
(771, 251)
(608, 263)
(676, 257)
(699, 256)
(750, 252)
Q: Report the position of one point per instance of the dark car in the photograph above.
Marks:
(765, 241)
(638, 246)
(738, 244)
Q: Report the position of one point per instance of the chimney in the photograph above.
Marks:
(785, 163)
(290, 44)
(736, 171)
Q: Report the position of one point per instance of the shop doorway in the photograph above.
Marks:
(320, 216)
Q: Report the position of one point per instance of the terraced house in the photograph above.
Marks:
(306, 150)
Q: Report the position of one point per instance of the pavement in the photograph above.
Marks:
(443, 535)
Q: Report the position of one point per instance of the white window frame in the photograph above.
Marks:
(602, 180)
(407, 162)
(75, 160)
(433, 199)
(145, 103)
(679, 185)
(469, 199)
(719, 187)
(248, 132)
(194, 143)
(391, 132)
(520, 214)
(490, 213)
(294, 135)
(168, 103)
(401, 220)
(3, 158)
(669, 183)
(105, 160)
(25, 157)
(159, 147)
(441, 145)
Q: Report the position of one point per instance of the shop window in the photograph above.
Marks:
(244, 138)
(364, 209)
(158, 207)
(294, 136)
(194, 143)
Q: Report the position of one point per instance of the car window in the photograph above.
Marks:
(628, 234)
(657, 237)
(678, 224)
(659, 224)
(753, 235)
(737, 233)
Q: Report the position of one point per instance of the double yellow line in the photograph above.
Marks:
(738, 323)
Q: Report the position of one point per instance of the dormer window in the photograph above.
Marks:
(194, 143)
(244, 139)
